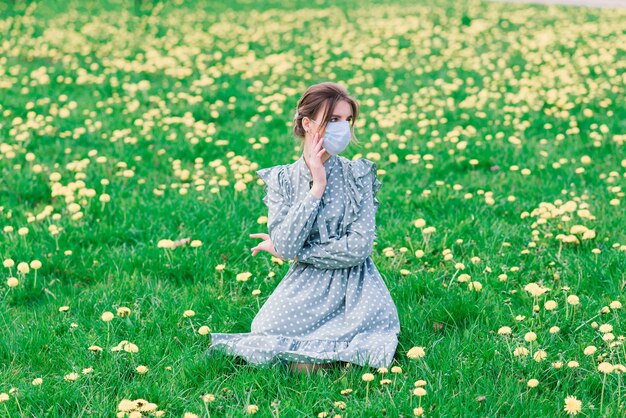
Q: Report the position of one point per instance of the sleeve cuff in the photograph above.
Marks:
(304, 253)
(309, 199)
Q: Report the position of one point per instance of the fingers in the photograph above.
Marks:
(318, 143)
(259, 235)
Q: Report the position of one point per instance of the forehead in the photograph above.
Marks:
(342, 108)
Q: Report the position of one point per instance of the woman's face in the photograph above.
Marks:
(342, 111)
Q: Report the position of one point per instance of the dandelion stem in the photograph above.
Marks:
(390, 398)
(602, 393)
(17, 401)
(451, 279)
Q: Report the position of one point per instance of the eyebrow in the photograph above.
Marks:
(340, 116)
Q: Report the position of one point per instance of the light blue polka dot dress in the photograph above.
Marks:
(332, 304)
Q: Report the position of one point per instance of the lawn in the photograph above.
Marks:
(130, 133)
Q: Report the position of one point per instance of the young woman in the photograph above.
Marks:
(332, 305)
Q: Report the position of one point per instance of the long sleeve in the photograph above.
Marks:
(289, 225)
(352, 248)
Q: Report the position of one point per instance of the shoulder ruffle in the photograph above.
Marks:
(360, 177)
(276, 182)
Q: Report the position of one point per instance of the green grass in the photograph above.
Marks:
(459, 98)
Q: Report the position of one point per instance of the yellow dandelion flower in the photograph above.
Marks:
(606, 328)
(540, 355)
(589, 350)
(419, 391)
(208, 397)
(520, 351)
(419, 223)
(550, 305)
(107, 316)
(340, 404)
(243, 277)
(415, 353)
(572, 405)
(126, 405)
(573, 300)
(123, 311)
(605, 367)
(23, 267)
(504, 330)
(71, 376)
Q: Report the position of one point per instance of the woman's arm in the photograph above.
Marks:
(289, 225)
(352, 248)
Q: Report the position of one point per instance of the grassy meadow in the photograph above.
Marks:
(129, 138)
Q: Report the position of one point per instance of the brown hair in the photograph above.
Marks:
(314, 99)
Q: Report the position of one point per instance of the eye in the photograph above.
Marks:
(335, 119)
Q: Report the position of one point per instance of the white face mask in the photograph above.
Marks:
(336, 137)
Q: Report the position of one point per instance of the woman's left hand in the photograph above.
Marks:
(266, 245)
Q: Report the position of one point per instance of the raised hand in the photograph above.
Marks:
(266, 245)
(313, 158)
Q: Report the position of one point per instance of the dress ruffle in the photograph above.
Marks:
(276, 181)
(374, 349)
(360, 176)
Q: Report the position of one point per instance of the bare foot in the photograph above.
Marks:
(308, 367)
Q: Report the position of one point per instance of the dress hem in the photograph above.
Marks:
(285, 349)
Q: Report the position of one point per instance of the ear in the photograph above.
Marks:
(306, 124)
